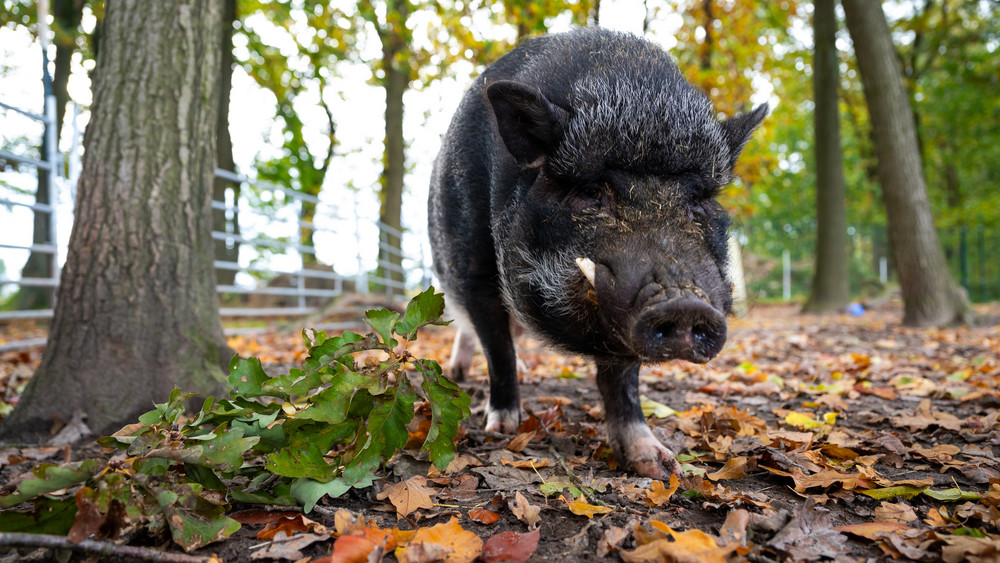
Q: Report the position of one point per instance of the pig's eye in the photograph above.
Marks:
(585, 197)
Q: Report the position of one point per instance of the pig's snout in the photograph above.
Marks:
(684, 327)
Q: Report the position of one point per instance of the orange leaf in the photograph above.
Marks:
(692, 545)
(658, 495)
(483, 516)
(580, 507)
(297, 523)
(447, 542)
(351, 549)
(525, 463)
(735, 468)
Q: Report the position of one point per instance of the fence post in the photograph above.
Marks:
(981, 255)
(786, 274)
(362, 280)
(963, 257)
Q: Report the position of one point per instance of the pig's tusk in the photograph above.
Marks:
(586, 266)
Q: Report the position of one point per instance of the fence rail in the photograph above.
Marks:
(255, 287)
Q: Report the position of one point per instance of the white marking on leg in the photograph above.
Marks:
(635, 445)
(503, 420)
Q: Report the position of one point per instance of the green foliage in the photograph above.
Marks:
(321, 429)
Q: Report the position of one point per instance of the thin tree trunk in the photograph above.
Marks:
(830, 284)
(136, 313)
(930, 295)
(223, 221)
(397, 80)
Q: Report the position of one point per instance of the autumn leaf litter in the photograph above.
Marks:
(809, 438)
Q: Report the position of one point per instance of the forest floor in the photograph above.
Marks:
(809, 438)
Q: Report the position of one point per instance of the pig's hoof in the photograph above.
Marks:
(646, 455)
(502, 420)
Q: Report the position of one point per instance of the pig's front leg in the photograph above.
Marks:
(629, 435)
(492, 323)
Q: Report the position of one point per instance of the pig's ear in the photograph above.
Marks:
(739, 127)
(530, 125)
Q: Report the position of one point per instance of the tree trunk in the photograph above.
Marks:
(66, 17)
(225, 221)
(136, 312)
(397, 80)
(930, 295)
(830, 284)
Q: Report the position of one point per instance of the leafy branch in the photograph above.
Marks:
(321, 429)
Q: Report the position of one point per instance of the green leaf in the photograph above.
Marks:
(247, 378)
(49, 478)
(424, 309)
(383, 321)
(193, 520)
(50, 516)
(308, 492)
(385, 433)
(904, 491)
(556, 487)
(308, 444)
(449, 407)
(953, 494)
(333, 403)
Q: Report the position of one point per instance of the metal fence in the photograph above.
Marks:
(273, 274)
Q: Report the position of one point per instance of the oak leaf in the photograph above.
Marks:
(446, 542)
(525, 511)
(410, 495)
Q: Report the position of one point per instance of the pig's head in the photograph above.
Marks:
(614, 244)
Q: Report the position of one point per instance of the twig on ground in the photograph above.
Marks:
(20, 539)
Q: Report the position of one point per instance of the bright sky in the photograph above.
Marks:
(357, 108)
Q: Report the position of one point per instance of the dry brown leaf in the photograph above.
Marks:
(897, 512)
(525, 511)
(410, 495)
(532, 463)
(611, 540)
(735, 468)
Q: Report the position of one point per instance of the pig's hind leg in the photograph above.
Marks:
(630, 437)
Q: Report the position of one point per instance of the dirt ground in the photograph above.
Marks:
(809, 438)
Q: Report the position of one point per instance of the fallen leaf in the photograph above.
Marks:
(872, 530)
(525, 511)
(483, 516)
(658, 495)
(447, 542)
(691, 545)
(735, 468)
(288, 525)
(408, 496)
(611, 540)
(525, 463)
(895, 512)
(511, 546)
(580, 507)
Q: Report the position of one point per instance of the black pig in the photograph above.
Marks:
(574, 192)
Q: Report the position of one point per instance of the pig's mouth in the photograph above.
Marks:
(683, 327)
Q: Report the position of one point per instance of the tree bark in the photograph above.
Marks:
(225, 221)
(930, 295)
(830, 285)
(136, 312)
(397, 81)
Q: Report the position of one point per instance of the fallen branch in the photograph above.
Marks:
(20, 539)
